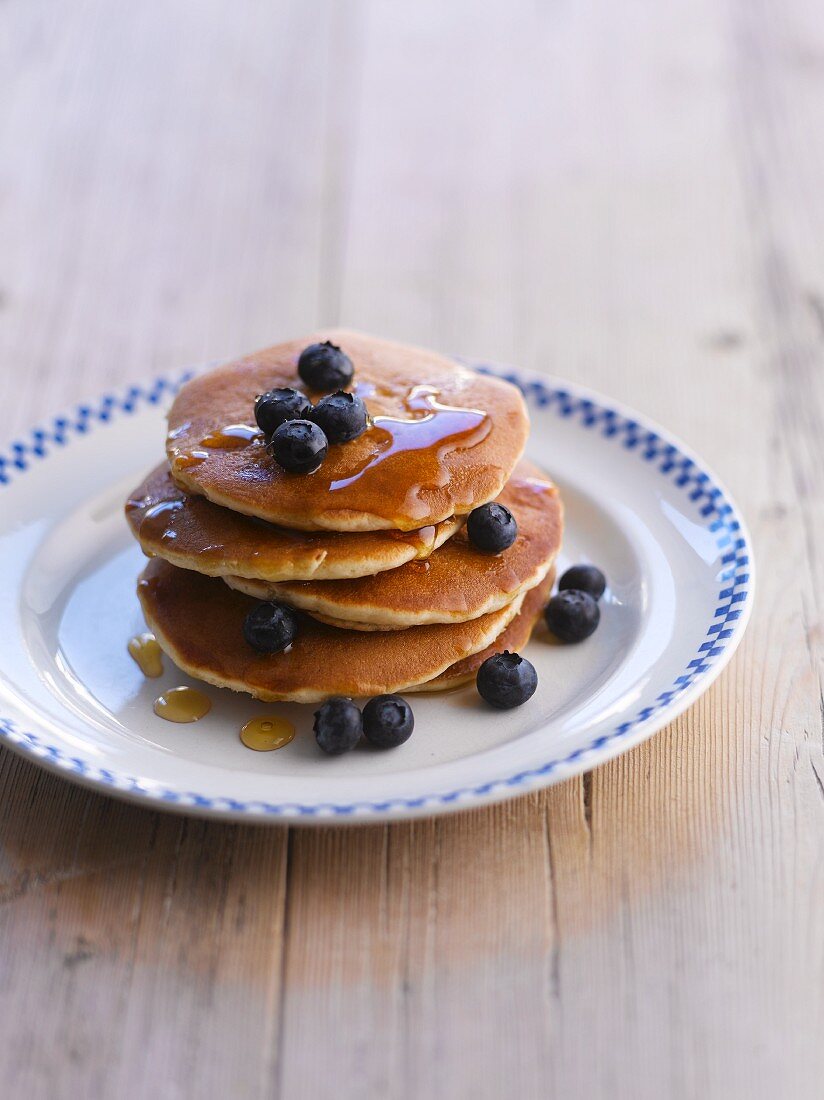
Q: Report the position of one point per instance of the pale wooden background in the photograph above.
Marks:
(629, 194)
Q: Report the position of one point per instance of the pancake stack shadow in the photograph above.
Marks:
(371, 550)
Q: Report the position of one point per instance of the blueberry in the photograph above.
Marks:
(585, 578)
(298, 446)
(270, 627)
(492, 528)
(572, 615)
(387, 721)
(506, 680)
(338, 725)
(324, 367)
(275, 406)
(342, 416)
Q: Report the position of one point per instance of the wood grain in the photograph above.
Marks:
(629, 195)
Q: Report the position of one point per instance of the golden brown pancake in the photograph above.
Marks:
(454, 584)
(191, 532)
(198, 621)
(443, 440)
(513, 638)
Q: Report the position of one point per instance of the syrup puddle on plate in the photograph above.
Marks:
(147, 654)
(182, 704)
(267, 733)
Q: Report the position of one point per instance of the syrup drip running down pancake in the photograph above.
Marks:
(455, 584)
(198, 621)
(191, 532)
(442, 440)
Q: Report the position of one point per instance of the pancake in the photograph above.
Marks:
(198, 621)
(455, 584)
(513, 638)
(191, 532)
(443, 439)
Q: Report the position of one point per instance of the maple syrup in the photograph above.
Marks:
(402, 446)
(266, 733)
(184, 460)
(232, 437)
(158, 521)
(182, 704)
(147, 654)
(423, 540)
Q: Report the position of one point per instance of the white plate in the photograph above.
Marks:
(638, 504)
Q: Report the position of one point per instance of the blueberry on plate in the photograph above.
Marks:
(506, 680)
(338, 725)
(572, 615)
(270, 627)
(275, 406)
(491, 527)
(299, 446)
(387, 721)
(324, 367)
(342, 416)
(585, 578)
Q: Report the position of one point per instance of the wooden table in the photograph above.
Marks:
(630, 195)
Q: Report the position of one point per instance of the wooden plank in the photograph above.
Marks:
(628, 197)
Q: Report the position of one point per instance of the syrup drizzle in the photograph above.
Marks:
(437, 429)
(232, 437)
(403, 459)
(158, 521)
(182, 704)
(184, 460)
(424, 542)
(147, 654)
(267, 733)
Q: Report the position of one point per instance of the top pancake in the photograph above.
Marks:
(189, 531)
(443, 440)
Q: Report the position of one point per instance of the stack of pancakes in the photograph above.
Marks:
(370, 549)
